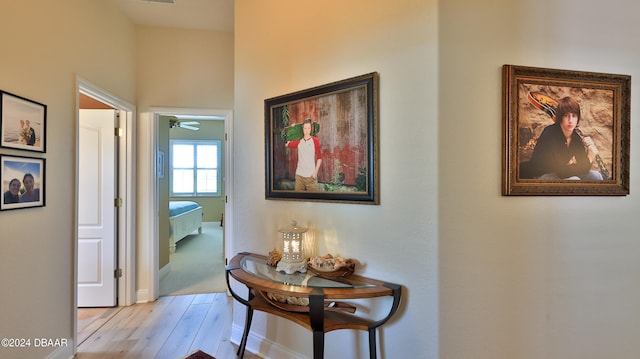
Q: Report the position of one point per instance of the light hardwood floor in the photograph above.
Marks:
(170, 328)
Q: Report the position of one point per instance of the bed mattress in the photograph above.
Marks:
(179, 207)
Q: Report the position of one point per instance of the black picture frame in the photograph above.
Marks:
(23, 123)
(19, 168)
(531, 96)
(345, 121)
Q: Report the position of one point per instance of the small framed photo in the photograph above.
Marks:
(23, 123)
(23, 182)
(322, 143)
(565, 132)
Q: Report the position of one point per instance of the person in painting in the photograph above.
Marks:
(309, 158)
(31, 194)
(560, 153)
(22, 134)
(26, 135)
(13, 194)
(30, 134)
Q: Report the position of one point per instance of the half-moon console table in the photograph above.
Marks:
(324, 312)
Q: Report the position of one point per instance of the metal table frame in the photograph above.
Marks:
(318, 319)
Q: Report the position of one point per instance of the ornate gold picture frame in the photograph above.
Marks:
(565, 132)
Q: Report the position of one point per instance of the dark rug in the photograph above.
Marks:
(199, 355)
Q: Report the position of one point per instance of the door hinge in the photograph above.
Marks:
(117, 273)
(225, 136)
(118, 131)
(226, 199)
(117, 202)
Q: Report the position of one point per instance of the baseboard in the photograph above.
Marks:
(142, 296)
(164, 271)
(263, 347)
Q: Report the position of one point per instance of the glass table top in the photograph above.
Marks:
(259, 268)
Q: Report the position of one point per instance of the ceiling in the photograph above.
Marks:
(214, 15)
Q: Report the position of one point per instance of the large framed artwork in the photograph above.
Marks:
(23, 182)
(565, 132)
(322, 143)
(23, 123)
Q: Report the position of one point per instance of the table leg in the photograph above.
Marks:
(318, 344)
(316, 317)
(372, 343)
(245, 334)
(397, 290)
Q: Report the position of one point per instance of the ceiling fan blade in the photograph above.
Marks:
(182, 125)
(189, 122)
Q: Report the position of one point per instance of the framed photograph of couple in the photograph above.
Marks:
(322, 143)
(565, 132)
(23, 123)
(23, 182)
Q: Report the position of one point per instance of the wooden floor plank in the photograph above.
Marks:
(170, 327)
(179, 342)
(155, 313)
(207, 298)
(92, 319)
(212, 331)
(109, 333)
(158, 327)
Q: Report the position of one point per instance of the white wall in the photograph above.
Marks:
(531, 277)
(289, 45)
(44, 46)
(176, 68)
(519, 277)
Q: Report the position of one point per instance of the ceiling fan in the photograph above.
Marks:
(187, 125)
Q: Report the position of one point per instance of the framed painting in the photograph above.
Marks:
(565, 132)
(322, 143)
(23, 182)
(23, 123)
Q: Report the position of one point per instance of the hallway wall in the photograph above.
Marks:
(284, 46)
(45, 45)
(176, 68)
(531, 277)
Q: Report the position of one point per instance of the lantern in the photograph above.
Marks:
(294, 255)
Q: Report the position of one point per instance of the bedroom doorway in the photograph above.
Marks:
(162, 125)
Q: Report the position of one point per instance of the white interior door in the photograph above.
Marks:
(96, 210)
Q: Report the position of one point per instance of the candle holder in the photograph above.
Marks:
(294, 257)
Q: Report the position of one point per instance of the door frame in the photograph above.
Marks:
(126, 213)
(148, 192)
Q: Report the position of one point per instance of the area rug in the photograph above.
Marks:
(197, 266)
(199, 355)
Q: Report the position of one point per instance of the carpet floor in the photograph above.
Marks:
(197, 266)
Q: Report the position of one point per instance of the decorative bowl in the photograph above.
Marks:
(346, 269)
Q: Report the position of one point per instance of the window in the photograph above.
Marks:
(195, 168)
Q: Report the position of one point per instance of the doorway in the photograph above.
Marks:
(158, 127)
(123, 203)
(191, 259)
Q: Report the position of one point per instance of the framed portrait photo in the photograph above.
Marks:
(565, 132)
(23, 182)
(22, 123)
(322, 143)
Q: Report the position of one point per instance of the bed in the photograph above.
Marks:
(185, 217)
